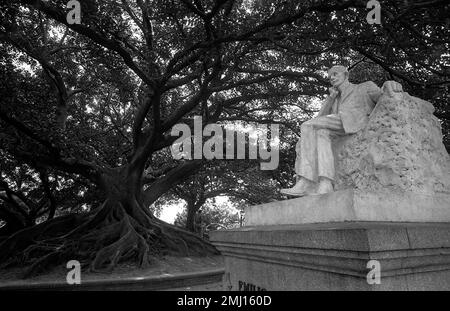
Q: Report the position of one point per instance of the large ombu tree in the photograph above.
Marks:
(103, 95)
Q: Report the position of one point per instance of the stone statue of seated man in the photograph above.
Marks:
(345, 111)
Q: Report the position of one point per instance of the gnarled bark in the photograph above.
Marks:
(120, 229)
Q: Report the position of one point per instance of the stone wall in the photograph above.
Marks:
(400, 149)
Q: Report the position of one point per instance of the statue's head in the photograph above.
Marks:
(337, 75)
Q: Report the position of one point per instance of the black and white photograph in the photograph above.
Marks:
(224, 150)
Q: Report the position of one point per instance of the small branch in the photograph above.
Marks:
(48, 192)
(28, 132)
(109, 44)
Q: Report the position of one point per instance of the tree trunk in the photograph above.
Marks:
(120, 229)
(190, 216)
(192, 211)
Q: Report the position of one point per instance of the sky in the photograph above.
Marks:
(169, 212)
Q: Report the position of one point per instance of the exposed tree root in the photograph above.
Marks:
(114, 233)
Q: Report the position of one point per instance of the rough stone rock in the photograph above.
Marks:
(400, 149)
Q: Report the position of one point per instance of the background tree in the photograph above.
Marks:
(97, 100)
(241, 181)
(213, 216)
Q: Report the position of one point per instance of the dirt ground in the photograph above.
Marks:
(165, 265)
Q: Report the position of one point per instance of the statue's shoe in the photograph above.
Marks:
(323, 187)
(301, 188)
(291, 192)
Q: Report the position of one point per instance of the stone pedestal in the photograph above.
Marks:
(353, 205)
(325, 242)
(334, 256)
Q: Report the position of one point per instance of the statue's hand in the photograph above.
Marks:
(333, 92)
(393, 89)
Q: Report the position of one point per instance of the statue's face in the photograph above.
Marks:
(337, 77)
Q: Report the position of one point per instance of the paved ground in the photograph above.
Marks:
(170, 273)
(205, 287)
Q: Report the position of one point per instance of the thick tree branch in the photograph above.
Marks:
(14, 198)
(53, 158)
(396, 73)
(171, 179)
(63, 94)
(112, 45)
(28, 132)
